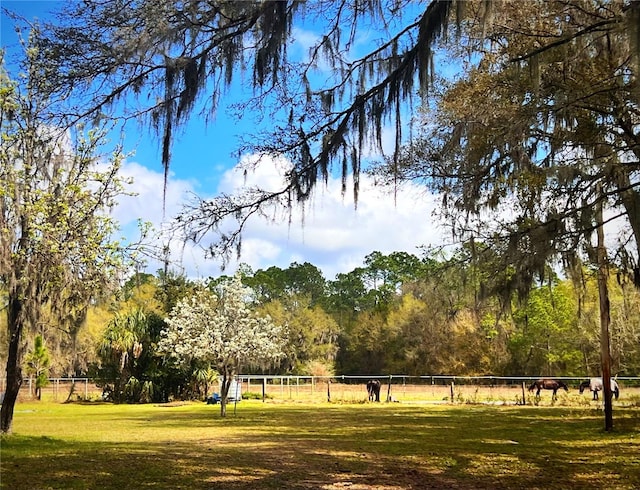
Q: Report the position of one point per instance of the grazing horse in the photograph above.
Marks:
(548, 384)
(595, 385)
(373, 388)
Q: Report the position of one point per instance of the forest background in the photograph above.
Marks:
(396, 314)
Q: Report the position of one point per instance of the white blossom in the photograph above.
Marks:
(221, 329)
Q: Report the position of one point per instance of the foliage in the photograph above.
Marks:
(56, 250)
(37, 361)
(220, 329)
(129, 368)
(525, 170)
(182, 57)
(440, 322)
(311, 333)
(275, 284)
(542, 342)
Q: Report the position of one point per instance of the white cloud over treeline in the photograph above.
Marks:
(331, 233)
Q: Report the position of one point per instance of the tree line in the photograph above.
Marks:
(397, 313)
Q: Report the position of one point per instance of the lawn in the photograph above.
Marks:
(293, 445)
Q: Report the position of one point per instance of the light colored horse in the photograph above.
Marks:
(595, 385)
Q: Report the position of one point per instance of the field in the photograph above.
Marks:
(293, 444)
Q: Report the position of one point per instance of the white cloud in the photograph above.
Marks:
(332, 234)
(146, 203)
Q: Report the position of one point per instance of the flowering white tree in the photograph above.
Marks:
(221, 329)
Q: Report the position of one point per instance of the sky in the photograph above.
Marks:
(332, 234)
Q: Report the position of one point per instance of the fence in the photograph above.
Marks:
(58, 389)
(405, 388)
(433, 389)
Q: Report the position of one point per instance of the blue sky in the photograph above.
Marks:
(335, 236)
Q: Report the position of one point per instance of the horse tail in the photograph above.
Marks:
(533, 385)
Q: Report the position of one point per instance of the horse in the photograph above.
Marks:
(373, 388)
(548, 384)
(596, 385)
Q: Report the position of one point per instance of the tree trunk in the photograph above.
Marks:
(603, 292)
(14, 362)
(224, 395)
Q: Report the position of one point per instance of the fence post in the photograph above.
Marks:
(452, 384)
(264, 388)
(389, 389)
(329, 390)
(524, 399)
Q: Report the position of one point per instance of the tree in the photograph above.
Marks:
(311, 334)
(531, 169)
(546, 337)
(56, 251)
(278, 284)
(221, 329)
(119, 350)
(38, 364)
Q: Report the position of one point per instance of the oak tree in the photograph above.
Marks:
(532, 159)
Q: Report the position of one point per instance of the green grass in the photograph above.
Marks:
(289, 445)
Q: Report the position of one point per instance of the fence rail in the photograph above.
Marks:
(397, 387)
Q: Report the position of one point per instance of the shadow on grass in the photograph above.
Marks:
(384, 447)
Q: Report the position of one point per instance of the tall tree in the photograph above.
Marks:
(221, 329)
(275, 283)
(312, 334)
(531, 169)
(534, 153)
(55, 248)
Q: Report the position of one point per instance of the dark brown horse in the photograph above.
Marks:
(373, 388)
(548, 384)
